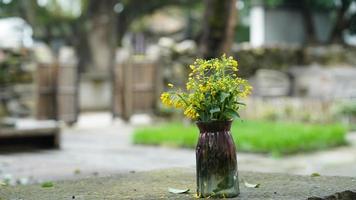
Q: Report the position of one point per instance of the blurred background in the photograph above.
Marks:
(80, 82)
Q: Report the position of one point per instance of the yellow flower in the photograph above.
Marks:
(170, 85)
(178, 104)
(166, 99)
(234, 63)
(207, 79)
(189, 86)
(190, 112)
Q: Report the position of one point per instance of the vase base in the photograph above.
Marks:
(220, 195)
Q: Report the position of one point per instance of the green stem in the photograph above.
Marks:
(222, 110)
(180, 96)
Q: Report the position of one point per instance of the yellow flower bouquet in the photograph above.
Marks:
(213, 91)
(212, 98)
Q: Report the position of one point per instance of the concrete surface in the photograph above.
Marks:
(154, 185)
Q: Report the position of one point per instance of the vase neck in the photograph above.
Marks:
(214, 126)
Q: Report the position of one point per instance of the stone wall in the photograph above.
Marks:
(284, 57)
(292, 109)
(310, 80)
(177, 55)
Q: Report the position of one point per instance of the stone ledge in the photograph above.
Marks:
(154, 185)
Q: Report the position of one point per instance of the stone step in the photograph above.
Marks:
(155, 184)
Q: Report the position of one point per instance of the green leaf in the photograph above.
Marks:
(178, 191)
(77, 171)
(223, 96)
(207, 95)
(203, 116)
(47, 184)
(240, 103)
(3, 183)
(314, 174)
(232, 113)
(214, 110)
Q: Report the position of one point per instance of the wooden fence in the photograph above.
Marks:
(67, 93)
(136, 87)
(57, 92)
(46, 101)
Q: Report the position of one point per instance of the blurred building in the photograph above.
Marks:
(284, 25)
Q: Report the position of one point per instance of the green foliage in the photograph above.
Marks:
(276, 138)
(63, 19)
(54, 20)
(11, 70)
(313, 4)
(273, 3)
(347, 108)
(321, 4)
(242, 33)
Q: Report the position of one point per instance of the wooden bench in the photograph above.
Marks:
(30, 132)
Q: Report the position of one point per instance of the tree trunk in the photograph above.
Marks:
(79, 39)
(102, 37)
(336, 33)
(308, 23)
(218, 28)
(27, 11)
(122, 24)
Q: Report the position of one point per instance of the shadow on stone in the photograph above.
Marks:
(27, 144)
(345, 195)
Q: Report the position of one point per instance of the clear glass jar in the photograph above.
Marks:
(217, 174)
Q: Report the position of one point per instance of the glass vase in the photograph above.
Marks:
(216, 164)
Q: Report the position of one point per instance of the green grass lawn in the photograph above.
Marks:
(250, 136)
